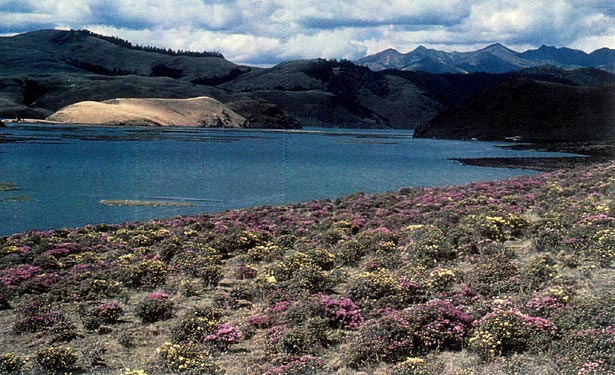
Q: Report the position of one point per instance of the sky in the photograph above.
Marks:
(265, 32)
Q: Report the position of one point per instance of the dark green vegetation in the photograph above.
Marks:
(44, 71)
(508, 277)
(495, 58)
(533, 111)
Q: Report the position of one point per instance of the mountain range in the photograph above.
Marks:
(44, 71)
(495, 58)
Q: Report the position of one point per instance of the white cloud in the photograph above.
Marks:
(239, 48)
(326, 43)
(329, 14)
(267, 31)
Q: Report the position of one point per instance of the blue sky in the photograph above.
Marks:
(264, 32)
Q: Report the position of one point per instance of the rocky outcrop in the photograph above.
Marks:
(262, 114)
(199, 112)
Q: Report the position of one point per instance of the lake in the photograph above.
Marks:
(65, 176)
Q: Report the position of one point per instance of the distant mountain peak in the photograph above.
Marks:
(390, 50)
(495, 58)
(497, 47)
(545, 47)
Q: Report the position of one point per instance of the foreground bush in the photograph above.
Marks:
(505, 331)
(56, 358)
(11, 363)
(507, 277)
(155, 307)
(187, 359)
(306, 365)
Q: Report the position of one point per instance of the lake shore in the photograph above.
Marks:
(472, 275)
(590, 153)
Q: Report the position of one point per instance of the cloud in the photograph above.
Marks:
(344, 43)
(367, 13)
(239, 48)
(268, 31)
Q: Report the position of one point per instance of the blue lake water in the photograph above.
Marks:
(63, 173)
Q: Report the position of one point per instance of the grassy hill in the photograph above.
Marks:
(500, 277)
(534, 111)
(45, 70)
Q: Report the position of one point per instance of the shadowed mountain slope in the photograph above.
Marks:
(531, 110)
(44, 71)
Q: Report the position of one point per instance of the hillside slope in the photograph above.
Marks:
(501, 277)
(43, 71)
(531, 110)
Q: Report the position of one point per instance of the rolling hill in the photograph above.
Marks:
(531, 111)
(44, 71)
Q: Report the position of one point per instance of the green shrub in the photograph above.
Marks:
(56, 358)
(602, 246)
(507, 331)
(495, 275)
(93, 288)
(309, 338)
(104, 313)
(538, 271)
(309, 279)
(371, 286)
(155, 307)
(147, 273)
(349, 253)
(196, 325)
(11, 363)
(388, 338)
(187, 359)
(429, 245)
(412, 366)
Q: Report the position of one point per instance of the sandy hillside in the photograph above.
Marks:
(200, 111)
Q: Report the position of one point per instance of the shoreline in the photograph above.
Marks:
(242, 285)
(589, 153)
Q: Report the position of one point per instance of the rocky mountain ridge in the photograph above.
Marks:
(495, 58)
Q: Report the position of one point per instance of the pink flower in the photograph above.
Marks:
(158, 295)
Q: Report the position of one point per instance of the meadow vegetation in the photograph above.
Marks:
(505, 277)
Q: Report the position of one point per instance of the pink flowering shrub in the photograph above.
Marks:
(275, 333)
(306, 365)
(35, 316)
(14, 276)
(260, 321)
(389, 338)
(342, 312)
(223, 336)
(550, 302)
(438, 325)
